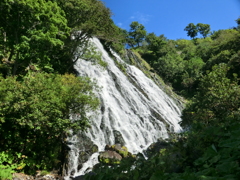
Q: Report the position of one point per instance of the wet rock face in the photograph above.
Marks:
(118, 137)
(82, 148)
(86, 149)
(85, 154)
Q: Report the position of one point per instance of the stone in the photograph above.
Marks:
(109, 157)
(122, 150)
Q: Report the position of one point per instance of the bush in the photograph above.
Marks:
(35, 115)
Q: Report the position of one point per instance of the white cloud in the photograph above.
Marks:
(119, 24)
(141, 17)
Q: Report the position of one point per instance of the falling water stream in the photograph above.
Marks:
(133, 108)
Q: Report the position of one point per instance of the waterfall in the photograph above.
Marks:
(133, 111)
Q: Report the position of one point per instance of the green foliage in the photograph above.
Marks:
(166, 61)
(90, 53)
(191, 30)
(203, 29)
(203, 48)
(217, 99)
(94, 18)
(155, 43)
(170, 66)
(119, 41)
(47, 33)
(193, 71)
(7, 165)
(44, 172)
(181, 161)
(35, 115)
(222, 57)
(30, 31)
(186, 48)
(35, 96)
(38, 109)
(238, 22)
(194, 57)
(137, 34)
(234, 63)
(5, 172)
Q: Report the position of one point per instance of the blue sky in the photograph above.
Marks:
(170, 17)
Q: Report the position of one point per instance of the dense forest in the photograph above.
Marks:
(39, 89)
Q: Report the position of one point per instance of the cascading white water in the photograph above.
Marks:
(132, 105)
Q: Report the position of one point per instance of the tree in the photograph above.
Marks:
(47, 32)
(30, 31)
(137, 34)
(238, 22)
(120, 41)
(192, 71)
(186, 48)
(192, 30)
(203, 29)
(169, 66)
(35, 115)
(86, 19)
(93, 17)
(218, 98)
(155, 42)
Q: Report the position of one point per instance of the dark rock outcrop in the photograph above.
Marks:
(85, 148)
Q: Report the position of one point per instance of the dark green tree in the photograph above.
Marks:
(192, 30)
(192, 72)
(238, 22)
(46, 32)
(155, 42)
(203, 29)
(35, 115)
(93, 20)
(137, 34)
(218, 98)
(30, 31)
(169, 67)
(93, 17)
